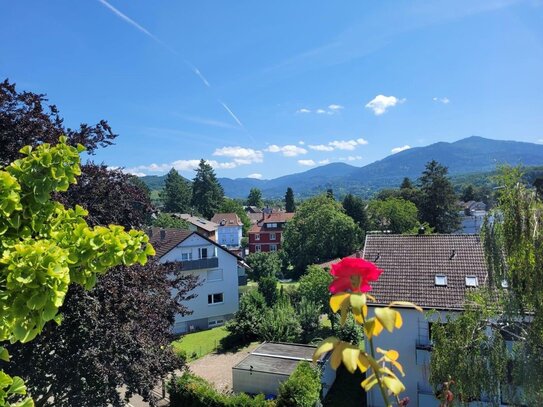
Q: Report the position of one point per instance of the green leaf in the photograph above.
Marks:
(387, 317)
(4, 354)
(18, 386)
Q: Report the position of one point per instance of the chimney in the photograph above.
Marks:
(162, 234)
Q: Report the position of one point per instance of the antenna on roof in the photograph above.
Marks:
(453, 254)
(377, 257)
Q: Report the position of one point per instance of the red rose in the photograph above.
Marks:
(353, 274)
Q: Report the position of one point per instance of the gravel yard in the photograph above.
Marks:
(217, 367)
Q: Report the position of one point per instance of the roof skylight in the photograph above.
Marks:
(441, 279)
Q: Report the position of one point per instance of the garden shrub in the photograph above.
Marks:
(308, 314)
(350, 332)
(267, 286)
(280, 323)
(302, 388)
(243, 327)
(190, 390)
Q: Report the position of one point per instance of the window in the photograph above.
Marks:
(441, 279)
(271, 225)
(202, 251)
(214, 275)
(258, 248)
(471, 281)
(272, 236)
(215, 322)
(273, 248)
(215, 298)
(257, 237)
(186, 256)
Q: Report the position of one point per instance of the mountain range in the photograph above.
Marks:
(465, 156)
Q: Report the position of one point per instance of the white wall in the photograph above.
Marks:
(245, 381)
(229, 235)
(228, 285)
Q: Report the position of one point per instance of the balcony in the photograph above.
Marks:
(208, 263)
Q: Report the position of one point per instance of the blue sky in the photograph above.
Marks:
(264, 89)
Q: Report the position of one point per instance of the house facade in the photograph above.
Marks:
(266, 234)
(230, 229)
(433, 271)
(217, 269)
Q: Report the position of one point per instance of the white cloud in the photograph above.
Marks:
(354, 158)
(307, 163)
(380, 103)
(335, 107)
(398, 149)
(290, 150)
(301, 142)
(179, 165)
(256, 175)
(303, 110)
(241, 155)
(445, 100)
(339, 145)
(321, 147)
(326, 161)
(321, 111)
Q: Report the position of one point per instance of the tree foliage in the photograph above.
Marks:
(46, 247)
(263, 264)
(513, 309)
(27, 119)
(355, 207)
(177, 194)
(166, 220)
(314, 286)
(319, 231)
(280, 323)
(394, 214)
(267, 286)
(290, 206)
(207, 192)
(244, 326)
(255, 198)
(438, 200)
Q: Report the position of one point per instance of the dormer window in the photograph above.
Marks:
(472, 281)
(271, 225)
(441, 280)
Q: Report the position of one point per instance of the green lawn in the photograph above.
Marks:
(201, 343)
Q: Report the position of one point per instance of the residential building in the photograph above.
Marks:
(230, 229)
(266, 235)
(472, 216)
(218, 269)
(271, 363)
(433, 271)
(203, 226)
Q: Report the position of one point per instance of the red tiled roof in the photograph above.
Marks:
(410, 264)
(277, 217)
(226, 219)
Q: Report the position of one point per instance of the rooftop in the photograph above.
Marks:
(227, 219)
(164, 240)
(276, 357)
(433, 271)
(198, 222)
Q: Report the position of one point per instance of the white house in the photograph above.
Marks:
(434, 272)
(230, 229)
(217, 298)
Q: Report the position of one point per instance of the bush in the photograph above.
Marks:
(190, 390)
(280, 323)
(263, 265)
(267, 286)
(308, 315)
(244, 325)
(302, 389)
(314, 286)
(350, 332)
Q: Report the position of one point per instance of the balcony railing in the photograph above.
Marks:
(208, 263)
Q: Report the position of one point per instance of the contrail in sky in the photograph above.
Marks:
(193, 68)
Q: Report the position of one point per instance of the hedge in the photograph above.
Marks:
(190, 390)
(302, 388)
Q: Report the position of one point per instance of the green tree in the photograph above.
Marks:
(254, 198)
(309, 313)
(207, 192)
(513, 307)
(406, 184)
(166, 220)
(290, 206)
(244, 326)
(232, 206)
(355, 207)
(314, 285)
(267, 286)
(394, 214)
(263, 265)
(438, 201)
(46, 247)
(176, 194)
(319, 231)
(468, 193)
(280, 323)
